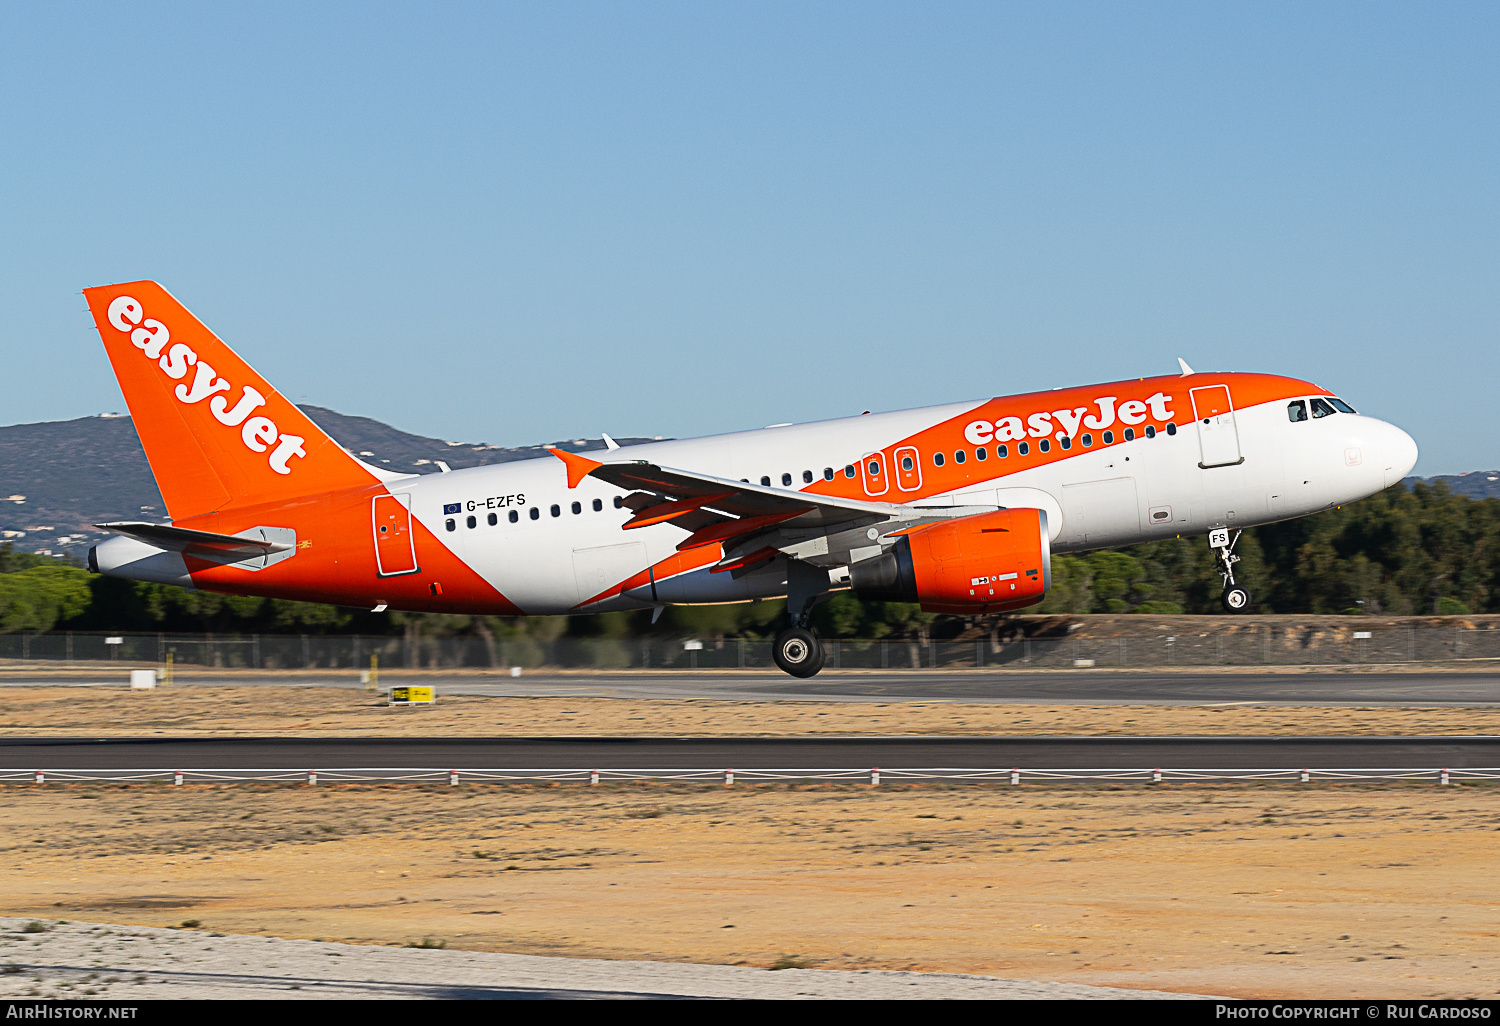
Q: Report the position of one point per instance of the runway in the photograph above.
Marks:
(1090, 687)
(749, 753)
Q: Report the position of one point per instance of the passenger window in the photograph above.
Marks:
(981, 453)
(1067, 442)
(598, 505)
(1045, 445)
(874, 468)
(1320, 408)
(1296, 412)
(472, 522)
(849, 470)
(556, 510)
(827, 473)
(514, 516)
(906, 463)
(937, 459)
(577, 508)
(1023, 449)
(494, 519)
(958, 457)
(807, 477)
(1109, 438)
(450, 525)
(1341, 406)
(1088, 440)
(1150, 431)
(1171, 429)
(765, 481)
(1002, 451)
(536, 512)
(1130, 434)
(786, 480)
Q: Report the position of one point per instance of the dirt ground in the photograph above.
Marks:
(305, 711)
(1252, 891)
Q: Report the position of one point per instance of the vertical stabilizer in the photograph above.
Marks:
(216, 433)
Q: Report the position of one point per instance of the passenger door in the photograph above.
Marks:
(1218, 435)
(395, 545)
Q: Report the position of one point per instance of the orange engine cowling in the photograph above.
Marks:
(987, 563)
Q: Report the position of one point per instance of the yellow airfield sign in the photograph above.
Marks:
(413, 696)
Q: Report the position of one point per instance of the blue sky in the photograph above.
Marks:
(519, 223)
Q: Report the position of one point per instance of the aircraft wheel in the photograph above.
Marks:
(797, 652)
(1237, 598)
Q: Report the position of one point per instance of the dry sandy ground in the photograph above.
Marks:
(265, 712)
(72, 961)
(1256, 891)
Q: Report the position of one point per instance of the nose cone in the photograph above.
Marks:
(1400, 452)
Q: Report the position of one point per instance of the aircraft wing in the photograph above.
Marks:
(715, 509)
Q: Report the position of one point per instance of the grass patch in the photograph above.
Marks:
(791, 962)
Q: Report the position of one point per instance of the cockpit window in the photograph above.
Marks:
(1340, 405)
(1320, 408)
(1296, 412)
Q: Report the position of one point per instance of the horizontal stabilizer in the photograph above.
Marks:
(219, 548)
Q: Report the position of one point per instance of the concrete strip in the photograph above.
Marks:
(1212, 686)
(82, 961)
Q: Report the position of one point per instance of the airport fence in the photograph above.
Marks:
(873, 776)
(1259, 645)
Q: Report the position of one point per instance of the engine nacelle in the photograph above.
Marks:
(987, 563)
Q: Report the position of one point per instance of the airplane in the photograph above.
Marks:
(958, 507)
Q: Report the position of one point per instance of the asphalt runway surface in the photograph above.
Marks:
(750, 753)
(1089, 687)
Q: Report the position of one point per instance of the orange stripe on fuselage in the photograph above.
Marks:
(948, 437)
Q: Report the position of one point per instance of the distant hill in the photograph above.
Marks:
(58, 479)
(1476, 484)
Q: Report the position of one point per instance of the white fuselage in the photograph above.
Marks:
(1137, 491)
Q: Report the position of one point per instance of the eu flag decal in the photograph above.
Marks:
(452, 507)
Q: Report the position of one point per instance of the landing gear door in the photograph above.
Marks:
(395, 545)
(1218, 437)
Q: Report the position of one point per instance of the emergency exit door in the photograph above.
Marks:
(1218, 436)
(395, 546)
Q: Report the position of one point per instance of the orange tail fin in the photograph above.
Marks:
(216, 434)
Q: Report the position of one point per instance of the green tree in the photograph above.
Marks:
(40, 598)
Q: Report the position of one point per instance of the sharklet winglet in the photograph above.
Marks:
(579, 467)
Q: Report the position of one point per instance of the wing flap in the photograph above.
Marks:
(743, 517)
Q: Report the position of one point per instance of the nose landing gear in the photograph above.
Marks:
(1236, 597)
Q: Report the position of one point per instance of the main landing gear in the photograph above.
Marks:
(798, 652)
(796, 649)
(1236, 597)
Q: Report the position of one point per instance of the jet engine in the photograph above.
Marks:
(986, 563)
